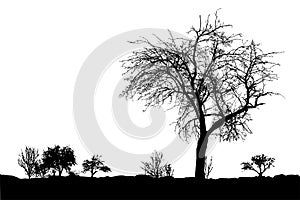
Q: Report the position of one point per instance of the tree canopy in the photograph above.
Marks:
(259, 164)
(94, 165)
(58, 159)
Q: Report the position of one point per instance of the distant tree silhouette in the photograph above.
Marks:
(28, 159)
(58, 159)
(259, 164)
(215, 76)
(157, 168)
(94, 165)
(208, 167)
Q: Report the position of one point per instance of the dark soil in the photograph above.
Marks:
(143, 187)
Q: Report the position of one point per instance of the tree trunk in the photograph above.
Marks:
(200, 164)
(201, 143)
(201, 146)
(200, 157)
(92, 173)
(60, 172)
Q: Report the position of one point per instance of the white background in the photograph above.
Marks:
(44, 43)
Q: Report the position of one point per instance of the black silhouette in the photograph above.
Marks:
(41, 170)
(105, 169)
(157, 167)
(214, 76)
(169, 171)
(73, 173)
(126, 187)
(28, 160)
(158, 183)
(208, 167)
(58, 159)
(94, 165)
(259, 163)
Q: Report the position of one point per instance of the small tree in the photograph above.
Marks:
(208, 167)
(156, 168)
(58, 159)
(28, 160)
(259, 164)
(94, 165)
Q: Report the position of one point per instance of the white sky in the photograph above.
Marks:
(44, 43)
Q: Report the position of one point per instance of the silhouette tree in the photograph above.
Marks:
(94, 165)
(58, 159)
(28, 160)
(214, 79)
(208, 167)
(156, 168)
(259, 164)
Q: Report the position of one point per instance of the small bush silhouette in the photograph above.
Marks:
(208, 167)
(169, 171)
(94, 165)
(28, 160)
(156, 168)
(259, 163)
(73, 173)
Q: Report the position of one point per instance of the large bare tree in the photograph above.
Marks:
(214, 79)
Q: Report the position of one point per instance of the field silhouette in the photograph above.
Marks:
(145, 187)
